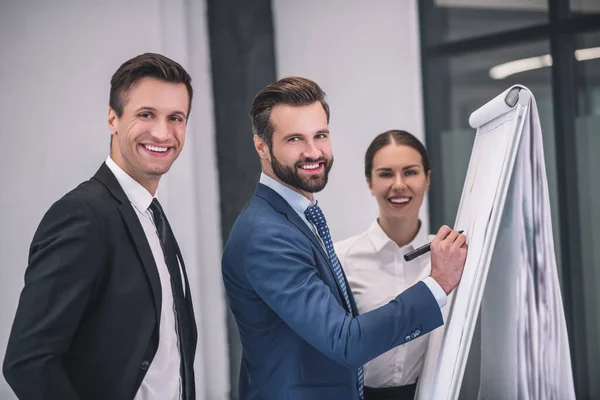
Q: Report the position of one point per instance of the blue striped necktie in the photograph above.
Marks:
(315, 215)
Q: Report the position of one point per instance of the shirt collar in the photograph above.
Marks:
(297, 201)
(379, 238)
(136, 193)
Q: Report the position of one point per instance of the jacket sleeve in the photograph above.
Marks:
(282, 270)
(64, 260)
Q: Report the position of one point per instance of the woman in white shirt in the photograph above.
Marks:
(397, 173)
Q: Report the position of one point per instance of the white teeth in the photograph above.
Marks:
(400, 201)
(310, 166)
(156, 149)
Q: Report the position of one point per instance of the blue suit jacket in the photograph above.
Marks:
(299, 340)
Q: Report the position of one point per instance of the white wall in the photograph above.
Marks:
(366, 56)
(57, 60)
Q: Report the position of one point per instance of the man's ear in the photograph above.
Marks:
(112, 125)
(262, 148)
(112, 120)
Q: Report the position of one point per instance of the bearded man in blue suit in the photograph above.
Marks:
(301, 334)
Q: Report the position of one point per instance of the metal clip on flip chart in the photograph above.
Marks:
(512, 97)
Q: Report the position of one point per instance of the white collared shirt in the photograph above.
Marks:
(162, 380)
(377, 273)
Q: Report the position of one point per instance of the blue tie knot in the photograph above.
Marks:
(315, 215)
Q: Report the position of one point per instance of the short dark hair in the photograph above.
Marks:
(293, 91)
(146, 65)
(398, 137)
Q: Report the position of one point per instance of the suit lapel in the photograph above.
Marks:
(143, 248)
(293, 217)
(354, 310)
(279, 204)
(132, 222)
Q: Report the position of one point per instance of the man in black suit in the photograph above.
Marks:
(106, 312)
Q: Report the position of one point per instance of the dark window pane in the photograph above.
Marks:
(587, 140)
(471, 84)
(463, 19)
(585, 6)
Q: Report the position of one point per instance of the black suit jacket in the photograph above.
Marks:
(87, 322)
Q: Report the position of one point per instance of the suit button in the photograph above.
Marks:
(145, 365)
(407, 338)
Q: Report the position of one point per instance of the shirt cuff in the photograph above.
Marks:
(437, 291)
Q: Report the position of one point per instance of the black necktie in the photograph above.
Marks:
(167, 241)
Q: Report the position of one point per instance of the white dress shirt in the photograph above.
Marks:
(162, 380)
(377, 273)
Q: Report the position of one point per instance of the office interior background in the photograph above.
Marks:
(422, 66)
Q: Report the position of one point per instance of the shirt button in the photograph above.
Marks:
(145, 365)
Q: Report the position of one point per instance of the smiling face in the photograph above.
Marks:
(149, 135)
(300, 154)
(398, 181)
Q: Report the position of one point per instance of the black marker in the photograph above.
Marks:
(420, 251)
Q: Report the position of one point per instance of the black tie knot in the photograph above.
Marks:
(156, 208)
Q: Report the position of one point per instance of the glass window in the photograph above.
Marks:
(462, 19)
(587, 140)
(585, 6)
(459, 77)
(474, 80)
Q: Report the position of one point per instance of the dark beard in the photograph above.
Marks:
(290, 176)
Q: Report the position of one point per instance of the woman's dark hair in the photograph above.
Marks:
(400, 138)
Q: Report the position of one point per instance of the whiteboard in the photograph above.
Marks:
(499, 126)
